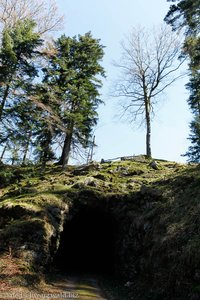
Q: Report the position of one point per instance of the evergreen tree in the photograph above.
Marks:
(194, 150)
(17, 54)
(186, 14)
(73, 77)
(46, 125)
(62, 106)
(21, 122)
(18, 69)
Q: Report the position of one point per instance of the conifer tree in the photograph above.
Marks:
(73, 75)
(18, 69)
(186, 14)
(19, 48)
(47, 123)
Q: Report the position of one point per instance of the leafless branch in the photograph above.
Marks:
(149, 65)
(44, 13)
(149, 60)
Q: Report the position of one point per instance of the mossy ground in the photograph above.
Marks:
(158, 206)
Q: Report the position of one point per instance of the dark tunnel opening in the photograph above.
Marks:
(87, 243)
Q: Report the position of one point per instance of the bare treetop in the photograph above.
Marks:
(151, 56)
(148, 66)
(44, 13)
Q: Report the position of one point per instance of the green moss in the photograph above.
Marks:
(158, 209)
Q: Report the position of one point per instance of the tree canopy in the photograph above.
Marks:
(44, 13)
(49, 99)
(186, 14)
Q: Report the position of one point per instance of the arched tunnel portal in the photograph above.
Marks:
(87, 243)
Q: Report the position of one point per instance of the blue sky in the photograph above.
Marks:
(110, 21)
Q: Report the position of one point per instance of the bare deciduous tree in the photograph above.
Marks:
(148, 66)
(45, 13)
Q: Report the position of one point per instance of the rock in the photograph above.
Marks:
(154, 165)
(133, 172)
(87, 168)
(89, 181)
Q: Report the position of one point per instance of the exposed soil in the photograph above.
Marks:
(59, 288)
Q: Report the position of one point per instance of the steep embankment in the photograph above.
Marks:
(123, 218)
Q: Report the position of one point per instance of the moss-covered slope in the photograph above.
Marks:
(156, 207)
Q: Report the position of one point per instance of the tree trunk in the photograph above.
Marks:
(3, 152)
(91, 151)
(66, 150)
(148, 128)
(4, 100)
(14, 157)
(26, 148)
(199, 108)
(46, 152)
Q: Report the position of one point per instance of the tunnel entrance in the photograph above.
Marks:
(87, 243)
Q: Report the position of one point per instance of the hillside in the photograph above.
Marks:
(132, 221)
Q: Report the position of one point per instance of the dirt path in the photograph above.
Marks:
(69, 287)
